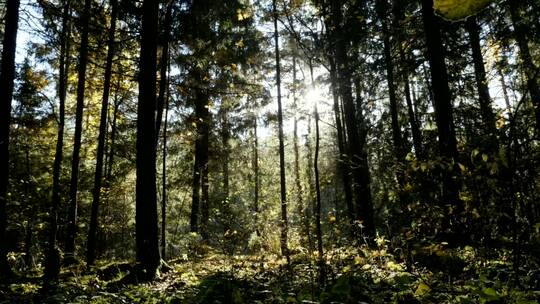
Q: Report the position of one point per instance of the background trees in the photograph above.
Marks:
(425, 133)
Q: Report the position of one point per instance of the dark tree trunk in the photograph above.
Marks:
(7, 76)
(52, 257)
(405, 71)
(504, 86)
(146, 222)
(110, 158)
(357, 154)
(322, 268)
(441, 94)
(530, 69)
(164, 65)
(83, 61)
(481, 80)
(205, 137)
(225, 136)
(164, 182)
(200, 173)
(342, 159)
(413, 118)
(382, 10)
(195, 188)
(311, 205)
(96, 192)
(29, 238)
(284, 222)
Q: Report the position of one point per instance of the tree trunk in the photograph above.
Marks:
(96, 192)
(312, 205)
(164, 62)
(504, 87)
(486, 109)
(200, 173)
(443, 109)
(413, 117)
(83, 61)
(52, 257)
(530, 69)
(205, 137)
(7, 76)
(284, 222)
(404, 74)
(28, 243)
(382, 10)
(322, 271)
(146, 223)
(164, 181)
(342, 159)
(357, 155)
(195, 188)
(225, 136)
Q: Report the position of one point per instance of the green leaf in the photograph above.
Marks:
(489, 294)
(459, 9)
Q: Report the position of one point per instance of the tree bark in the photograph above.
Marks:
(382, 10)
(405, 71)
(443, 115)
(96, 192)
(146, 223)
(205, 137)
(486, 109)
(530, 69)
(81, 83)
(342, 159)
(322, 268)
(225, 136)
(164, 64)
(52, 257)
(284, 222)
(195, 188)
(164, 181)
(357, 155)
(7, 76)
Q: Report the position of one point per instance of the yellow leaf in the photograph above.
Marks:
(422, 289)
(240, 44)
(459, 9)
(358, 260)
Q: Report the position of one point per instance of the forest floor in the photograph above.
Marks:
(437, 275)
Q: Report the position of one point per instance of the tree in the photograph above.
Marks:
(356, 148)
(442, 101)
(7, 76)
(283, 186)
(146, 223)
(318, 207)
(481, 80)
(98, 176)
(52, 259)
(81, 84)
(530, 69)
(382, 11)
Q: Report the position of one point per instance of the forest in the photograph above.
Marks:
(270, 151)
